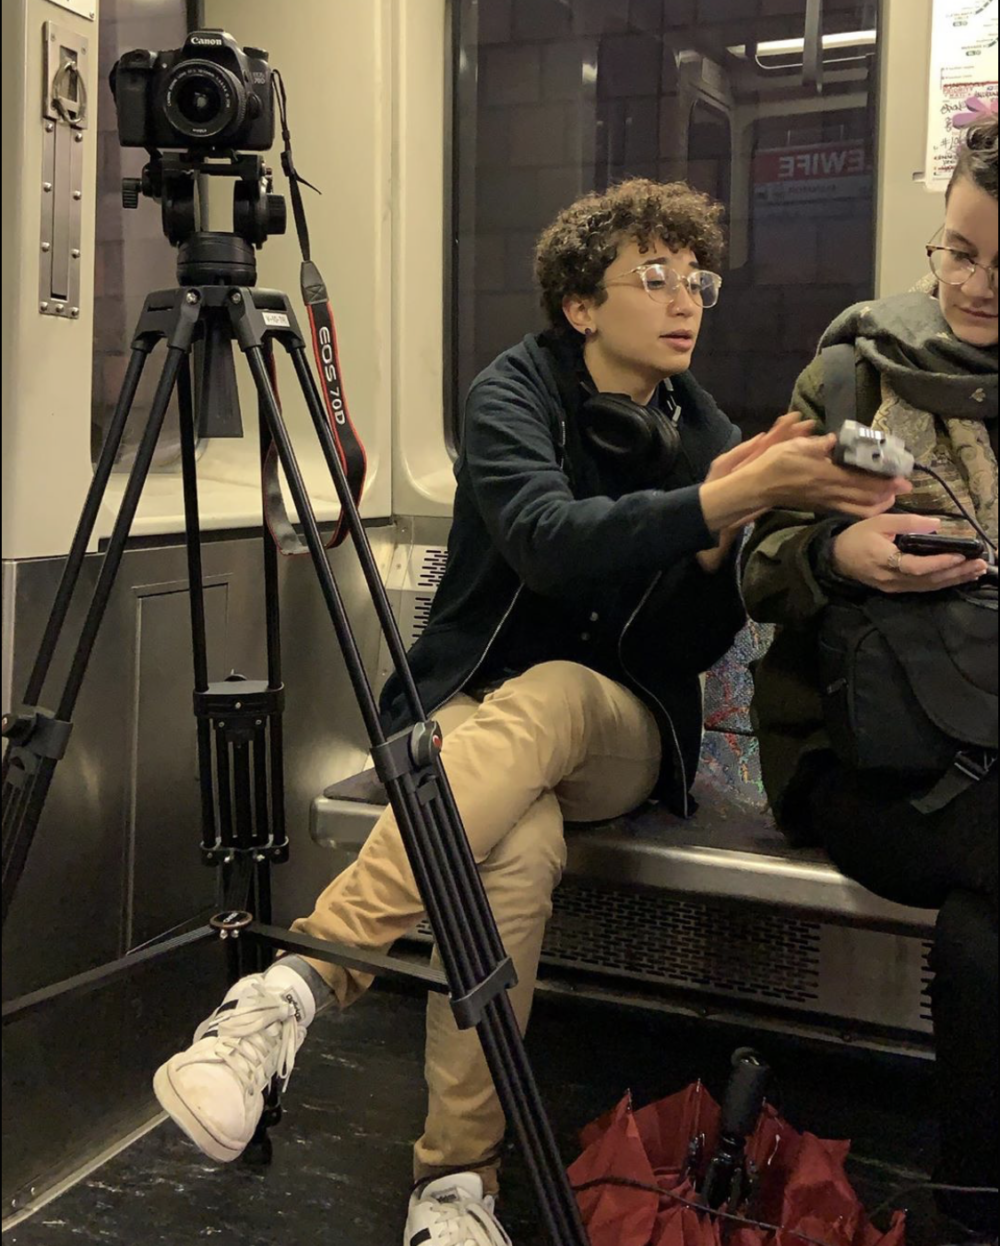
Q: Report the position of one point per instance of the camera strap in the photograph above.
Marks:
(324, 336)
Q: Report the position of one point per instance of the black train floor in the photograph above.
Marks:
(341, 1167)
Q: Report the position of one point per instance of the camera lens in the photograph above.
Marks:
(199, 102)
(202, 100)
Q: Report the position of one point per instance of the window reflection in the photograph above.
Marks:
(557, 97)
(132, 257)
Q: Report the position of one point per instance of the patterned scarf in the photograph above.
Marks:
(938, 395)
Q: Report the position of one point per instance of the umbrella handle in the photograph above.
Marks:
(724, 1178)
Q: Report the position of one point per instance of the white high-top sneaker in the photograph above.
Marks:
(454, 1211)
(215, 1090)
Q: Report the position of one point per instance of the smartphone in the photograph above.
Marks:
(939, 543)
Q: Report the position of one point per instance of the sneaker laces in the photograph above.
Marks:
(245, 1038)
(455, 1225)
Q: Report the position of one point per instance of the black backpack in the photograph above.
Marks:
(909, 682)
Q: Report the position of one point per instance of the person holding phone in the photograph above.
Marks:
(940, 543)
(926, 372)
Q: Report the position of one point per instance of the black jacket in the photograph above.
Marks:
(550, 557)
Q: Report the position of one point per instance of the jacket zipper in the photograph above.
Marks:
(464, 682)
(652, 695)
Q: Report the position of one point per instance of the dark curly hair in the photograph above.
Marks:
(977, 157)
(573, 254)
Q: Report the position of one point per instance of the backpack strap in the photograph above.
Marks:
(840, 392)
(969, 767)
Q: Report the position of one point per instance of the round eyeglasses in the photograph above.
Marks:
(663, 284)
(955, 267)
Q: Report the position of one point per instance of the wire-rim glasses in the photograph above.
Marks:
(663, 284)
(955, 267)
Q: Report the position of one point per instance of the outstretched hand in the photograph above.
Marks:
(801, 475)
(785, 428)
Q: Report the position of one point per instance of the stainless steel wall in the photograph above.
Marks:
(115, 861)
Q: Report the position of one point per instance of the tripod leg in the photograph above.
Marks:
(199, 653)
(269, 796)
(374, 582)
(263, 820)
(331, 594)
(196, 593)
(21, 814)
(447, 879)
(397, 650)
(501, 1037)
(84, 531)
(465, 905)
(274, 773)
(461, 965)
(243, 809)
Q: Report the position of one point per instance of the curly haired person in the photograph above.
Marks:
(591, 578)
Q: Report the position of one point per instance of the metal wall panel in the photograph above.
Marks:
(165, 881)
(115, 861)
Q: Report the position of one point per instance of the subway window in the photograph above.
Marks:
(768, 105)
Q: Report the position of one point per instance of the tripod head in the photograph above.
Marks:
(172, 178)
(207, 258)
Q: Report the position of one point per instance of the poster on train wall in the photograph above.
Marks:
(963, 82)
(815, 179)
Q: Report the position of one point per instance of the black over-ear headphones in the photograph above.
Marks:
(643, 442)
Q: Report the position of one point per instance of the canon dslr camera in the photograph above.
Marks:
(210, 94)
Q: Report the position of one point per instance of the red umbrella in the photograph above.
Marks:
(637, 1182)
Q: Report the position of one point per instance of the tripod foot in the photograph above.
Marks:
(259, 1151)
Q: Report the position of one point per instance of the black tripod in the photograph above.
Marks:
(239, 722)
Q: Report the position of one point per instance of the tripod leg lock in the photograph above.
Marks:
(470, 1009)
(408, 753)
(35, 733)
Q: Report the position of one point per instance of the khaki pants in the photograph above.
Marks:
(559, 741)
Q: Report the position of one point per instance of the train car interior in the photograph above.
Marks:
(443, 136)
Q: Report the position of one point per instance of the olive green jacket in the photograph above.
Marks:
(786, 581)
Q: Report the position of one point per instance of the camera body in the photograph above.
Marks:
(869, 450)
(209, 95)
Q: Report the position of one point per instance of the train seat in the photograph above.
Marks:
(730, 849)
(716, 916)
